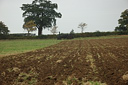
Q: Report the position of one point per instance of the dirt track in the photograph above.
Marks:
(69, 62)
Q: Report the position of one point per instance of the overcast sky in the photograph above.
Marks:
(100, 15)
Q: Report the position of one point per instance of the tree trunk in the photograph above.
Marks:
(28, 33)
(82, 29)
(40, 31)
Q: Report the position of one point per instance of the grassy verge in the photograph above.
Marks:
(8, 47)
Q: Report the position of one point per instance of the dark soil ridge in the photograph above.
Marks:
(68, 63)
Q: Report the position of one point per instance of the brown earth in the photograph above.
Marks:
(69, 63)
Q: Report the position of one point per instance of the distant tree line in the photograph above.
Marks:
(30, 24)
(63, 35)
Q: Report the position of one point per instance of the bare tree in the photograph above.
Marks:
(54, 30)
(82, 26)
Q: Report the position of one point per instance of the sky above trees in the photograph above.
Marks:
(100, 15)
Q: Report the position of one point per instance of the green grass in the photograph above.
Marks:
(8, 47)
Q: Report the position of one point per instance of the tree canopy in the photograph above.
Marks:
(29, 26)
(123, 22)
(82, 26)
(42, 12)
(3, 28)
(72, 32)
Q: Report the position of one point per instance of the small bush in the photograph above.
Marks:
(65, 36)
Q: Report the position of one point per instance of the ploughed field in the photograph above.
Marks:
(75, 62)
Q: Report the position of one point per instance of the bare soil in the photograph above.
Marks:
(69, 63)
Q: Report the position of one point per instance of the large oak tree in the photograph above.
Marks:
(42, 12)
